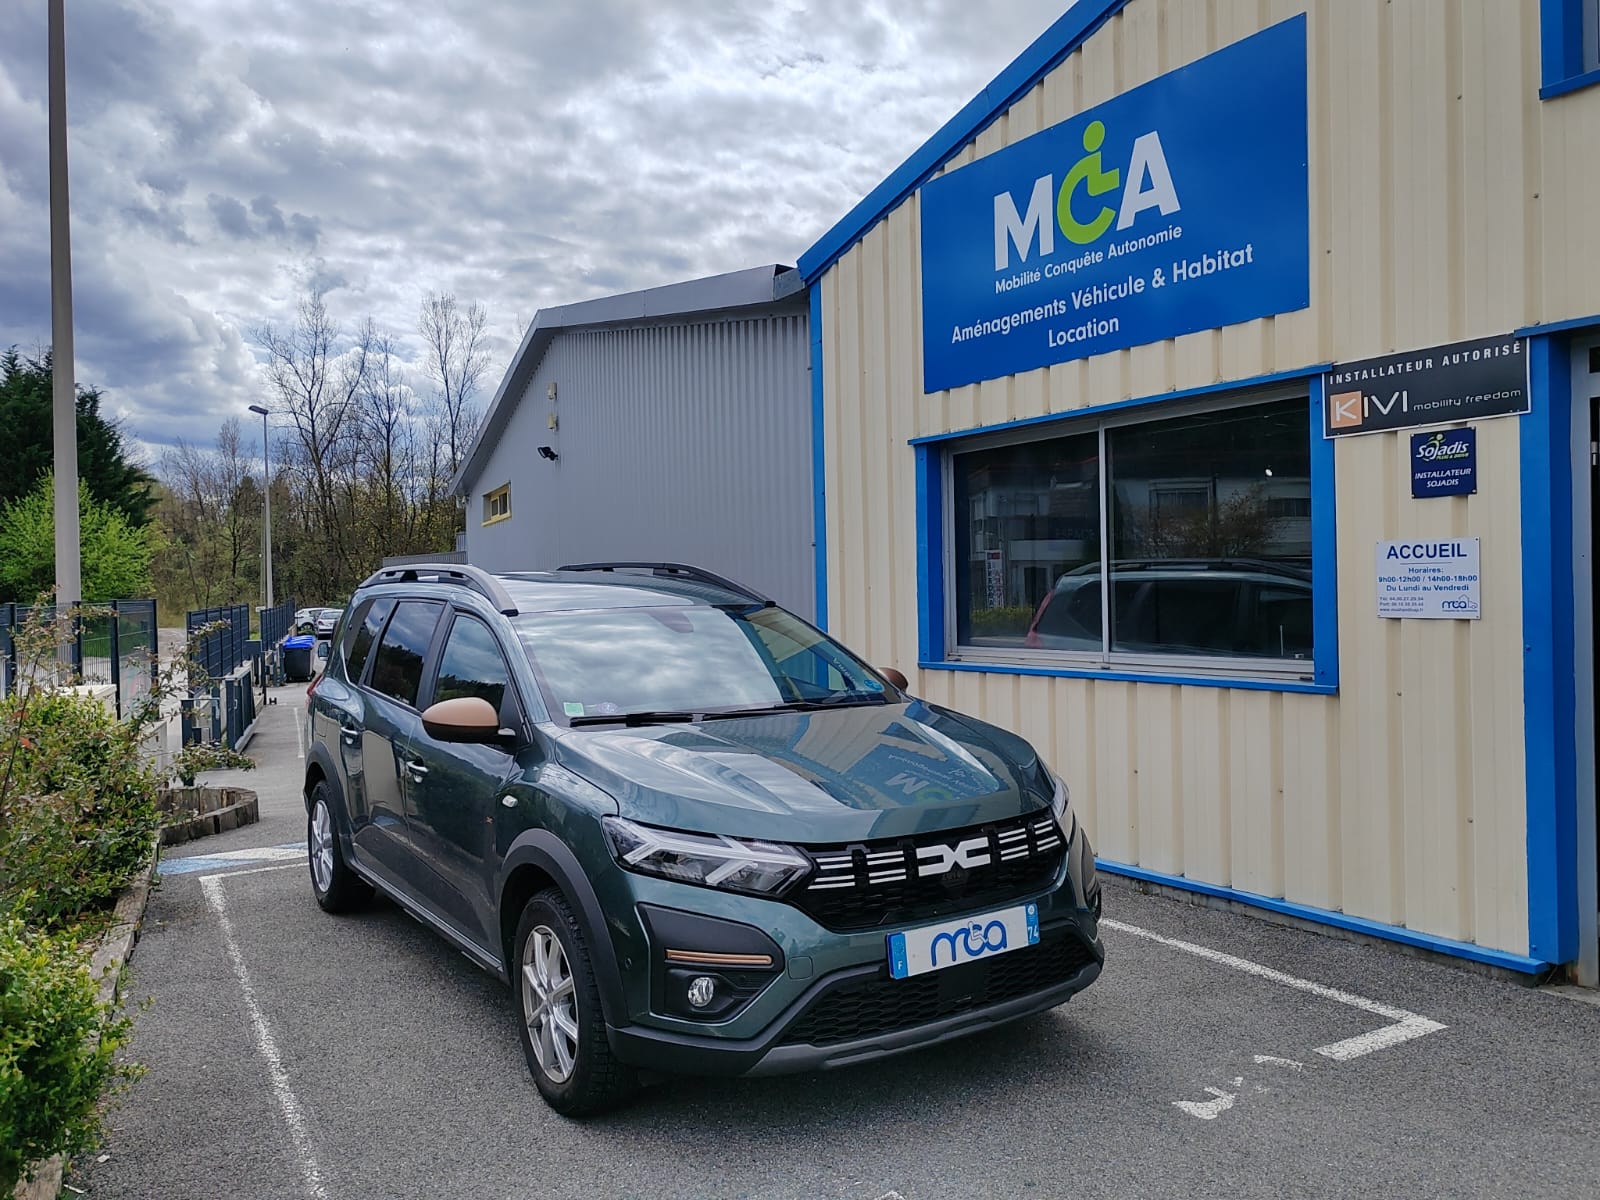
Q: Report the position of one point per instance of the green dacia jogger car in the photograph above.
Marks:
(692, 832)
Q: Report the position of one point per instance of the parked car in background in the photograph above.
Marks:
(1224, 607)
(326, 620)
(692, 832)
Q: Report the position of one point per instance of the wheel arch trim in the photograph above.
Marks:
(542, 849)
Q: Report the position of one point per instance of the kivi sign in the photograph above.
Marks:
(1178, 206)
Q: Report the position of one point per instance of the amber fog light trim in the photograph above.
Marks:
(710, 958)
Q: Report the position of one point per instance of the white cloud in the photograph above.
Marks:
(226, 154)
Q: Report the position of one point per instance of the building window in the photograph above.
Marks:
(1178, 543)
(1569, 37)
(497, 504)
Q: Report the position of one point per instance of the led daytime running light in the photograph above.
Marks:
(710, 860)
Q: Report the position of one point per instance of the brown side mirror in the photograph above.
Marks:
(895, 677)
(464, 719)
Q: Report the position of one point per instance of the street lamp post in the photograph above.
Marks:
(266, 496)
(64, 409)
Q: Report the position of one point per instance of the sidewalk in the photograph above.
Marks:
(279, 754)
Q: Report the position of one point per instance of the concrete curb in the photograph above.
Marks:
(115, 948)
(244, 808)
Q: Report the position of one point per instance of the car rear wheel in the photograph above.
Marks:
(562, 1025)
(336, 887)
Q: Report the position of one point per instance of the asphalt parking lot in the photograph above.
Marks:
(294, 1054)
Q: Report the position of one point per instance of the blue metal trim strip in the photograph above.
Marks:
(1560, 42)
(1327, 916)
(930, 553)
(1070, 31)
(1255, 683)
(1324, 545)
(819, 466)
(1575, 84)
(1097, 410)
(1549, 699)
(1557, 326)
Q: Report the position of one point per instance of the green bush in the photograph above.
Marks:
(57, 1049)
(1012, 621)
(77, 807)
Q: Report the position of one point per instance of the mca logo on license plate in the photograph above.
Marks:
(918, 951)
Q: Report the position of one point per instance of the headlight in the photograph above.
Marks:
(710, 860)
(1061, 806)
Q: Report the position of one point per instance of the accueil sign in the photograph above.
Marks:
(1177, 206)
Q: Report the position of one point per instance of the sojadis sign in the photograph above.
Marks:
(1177, 206)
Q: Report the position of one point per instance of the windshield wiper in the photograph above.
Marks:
(646, 717)
(837, 700)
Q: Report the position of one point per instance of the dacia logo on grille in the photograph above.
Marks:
(937, 860)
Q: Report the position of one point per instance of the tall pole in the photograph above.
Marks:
(266, 497)
(69, 566)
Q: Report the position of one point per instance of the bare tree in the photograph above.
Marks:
(456, 357)
(316, 386)
(210, 512)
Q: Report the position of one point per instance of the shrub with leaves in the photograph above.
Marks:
(78, 787)
(77, 809)
(58, 1049)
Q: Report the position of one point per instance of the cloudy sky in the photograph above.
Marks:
(227, 155)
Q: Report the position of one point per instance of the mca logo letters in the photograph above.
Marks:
(1148, 184)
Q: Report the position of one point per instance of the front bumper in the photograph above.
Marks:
(859, 1014)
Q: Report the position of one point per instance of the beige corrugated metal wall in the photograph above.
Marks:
(1447, 202)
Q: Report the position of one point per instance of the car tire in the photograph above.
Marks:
(336, 887)
(560, 1021)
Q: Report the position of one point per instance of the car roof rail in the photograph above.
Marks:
(476, 578)
(671, 570)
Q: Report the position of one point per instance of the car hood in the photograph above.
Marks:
(837, 775)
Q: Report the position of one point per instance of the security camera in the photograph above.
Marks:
(548, 452)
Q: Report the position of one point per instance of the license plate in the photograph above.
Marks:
(932, 947)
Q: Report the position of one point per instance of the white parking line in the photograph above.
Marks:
(1406, 1025)
(299, 734)
(265, 1044)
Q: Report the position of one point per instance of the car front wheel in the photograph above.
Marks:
(562, 1025)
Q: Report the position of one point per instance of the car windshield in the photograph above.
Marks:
(696, 659)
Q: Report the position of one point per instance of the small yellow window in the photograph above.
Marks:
(497, 504)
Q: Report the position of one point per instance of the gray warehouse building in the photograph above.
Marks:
(670, 424)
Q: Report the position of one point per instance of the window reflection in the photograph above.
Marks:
(1211, 533)
(1209, 517)
(693, 658)
(1025, 516)
(471, 665)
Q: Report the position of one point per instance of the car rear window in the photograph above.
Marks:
(397, 666)
(367, 625)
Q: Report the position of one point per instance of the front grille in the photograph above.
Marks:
(868, 1007)
(922, 878)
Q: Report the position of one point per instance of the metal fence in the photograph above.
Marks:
(223, 713)
(276, 624)
(114, 642)
(225, 708)
(223, 650)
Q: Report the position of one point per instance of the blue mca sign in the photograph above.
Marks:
(1178, 206)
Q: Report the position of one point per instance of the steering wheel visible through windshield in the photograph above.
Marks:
(610, 663)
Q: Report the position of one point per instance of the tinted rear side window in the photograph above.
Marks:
(397, 666)
(365, 627)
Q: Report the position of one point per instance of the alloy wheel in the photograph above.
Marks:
(321, 847)
(549, 1003)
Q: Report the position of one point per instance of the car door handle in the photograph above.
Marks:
(416, 768)
(350, 733)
